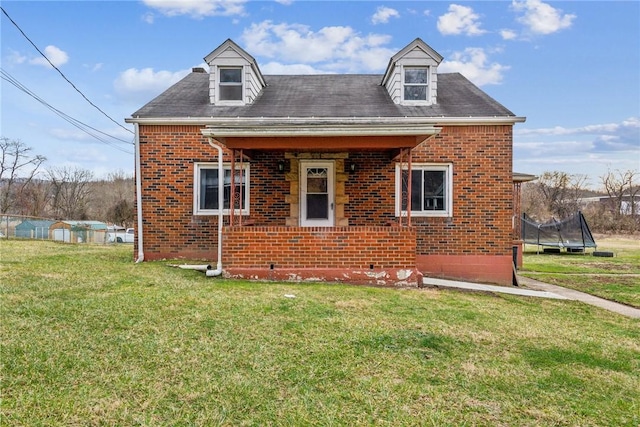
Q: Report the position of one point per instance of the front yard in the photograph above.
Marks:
(616, 278)
(89, 338)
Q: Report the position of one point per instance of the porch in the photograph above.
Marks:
(374, 255)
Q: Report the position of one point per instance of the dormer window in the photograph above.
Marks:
(235, 78)
(416, 82)
(412, 75)
(230, 84)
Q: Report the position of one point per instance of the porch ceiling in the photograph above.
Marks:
(324, 135)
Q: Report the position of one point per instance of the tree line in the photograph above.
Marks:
(28, 188)
(558, 195)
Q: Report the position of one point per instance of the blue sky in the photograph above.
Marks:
(571, 68)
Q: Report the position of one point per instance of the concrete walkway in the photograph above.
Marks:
(625, 310)
(534, 288)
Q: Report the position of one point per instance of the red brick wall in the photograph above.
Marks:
(378, 255)
(482, 175)
(169, 154)
(329, 247)
(169, 226)
(483, 192)
(371, 189)
(268, 189)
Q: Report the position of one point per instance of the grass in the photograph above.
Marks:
(89, 338)
(616, 279)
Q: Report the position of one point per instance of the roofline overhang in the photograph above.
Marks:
(306, 129)
(519, 177)
(328, 122)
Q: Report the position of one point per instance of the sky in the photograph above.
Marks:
(571, 68)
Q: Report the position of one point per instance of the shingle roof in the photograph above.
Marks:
(347, 95)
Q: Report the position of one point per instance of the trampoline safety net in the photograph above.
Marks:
(572, 232)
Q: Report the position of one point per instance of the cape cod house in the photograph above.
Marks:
(373, 179)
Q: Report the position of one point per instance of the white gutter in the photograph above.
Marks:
(138, 193)
(381, 122)
(218, 270)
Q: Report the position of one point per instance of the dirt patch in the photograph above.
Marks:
(616, 268)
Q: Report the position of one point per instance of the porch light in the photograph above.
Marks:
(280, 166)
(351, 167)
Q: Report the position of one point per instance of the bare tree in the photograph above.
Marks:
(70, 192)
(534, 202)
(619, 187)
(33, 199)
(561, 192)
(18, 167)
(121, 213)
(113, 198)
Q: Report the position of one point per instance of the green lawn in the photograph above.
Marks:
(89, 338)
(616, 278)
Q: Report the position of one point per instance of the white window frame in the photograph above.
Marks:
(220, 83)
(198, 167)
(448, 193)
(310, 164)
(425, 85)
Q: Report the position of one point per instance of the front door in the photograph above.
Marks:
(316, 194)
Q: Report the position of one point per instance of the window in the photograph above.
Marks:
(431, 190)
(230, 88)
(416, 82)
(206, 189)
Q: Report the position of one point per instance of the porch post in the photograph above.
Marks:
(409, 188)
(232, 189)
(243, 181)
(401, 184)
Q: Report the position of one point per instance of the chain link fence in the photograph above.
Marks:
(36, 228)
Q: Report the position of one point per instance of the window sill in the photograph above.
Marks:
(215, 213)
(426, 215)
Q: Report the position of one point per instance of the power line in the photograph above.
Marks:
(61, 73)
(75, 122)
(8, 77)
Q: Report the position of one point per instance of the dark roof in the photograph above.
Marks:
(346, 95)
(35, 223)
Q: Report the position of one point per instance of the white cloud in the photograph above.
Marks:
(541, 18)
(16, 57)
(74, 134)
(623, 136)
(383, 14)
(460, 20)
(142, 85)
(555, 148)
(149, 18)
(197, 9)
(507, 34)
(298, 69)
(69, 134)
(332, 48)
(56, 56)
(474, 64)
(285, 2)
(94, 67)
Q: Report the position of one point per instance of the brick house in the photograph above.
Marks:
(373, 179)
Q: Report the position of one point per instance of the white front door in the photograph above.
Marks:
(316, 194)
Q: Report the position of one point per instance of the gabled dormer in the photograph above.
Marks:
(411, 77)
(234, 76)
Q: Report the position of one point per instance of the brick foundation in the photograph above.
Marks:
(497, 269)
(367, 255)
